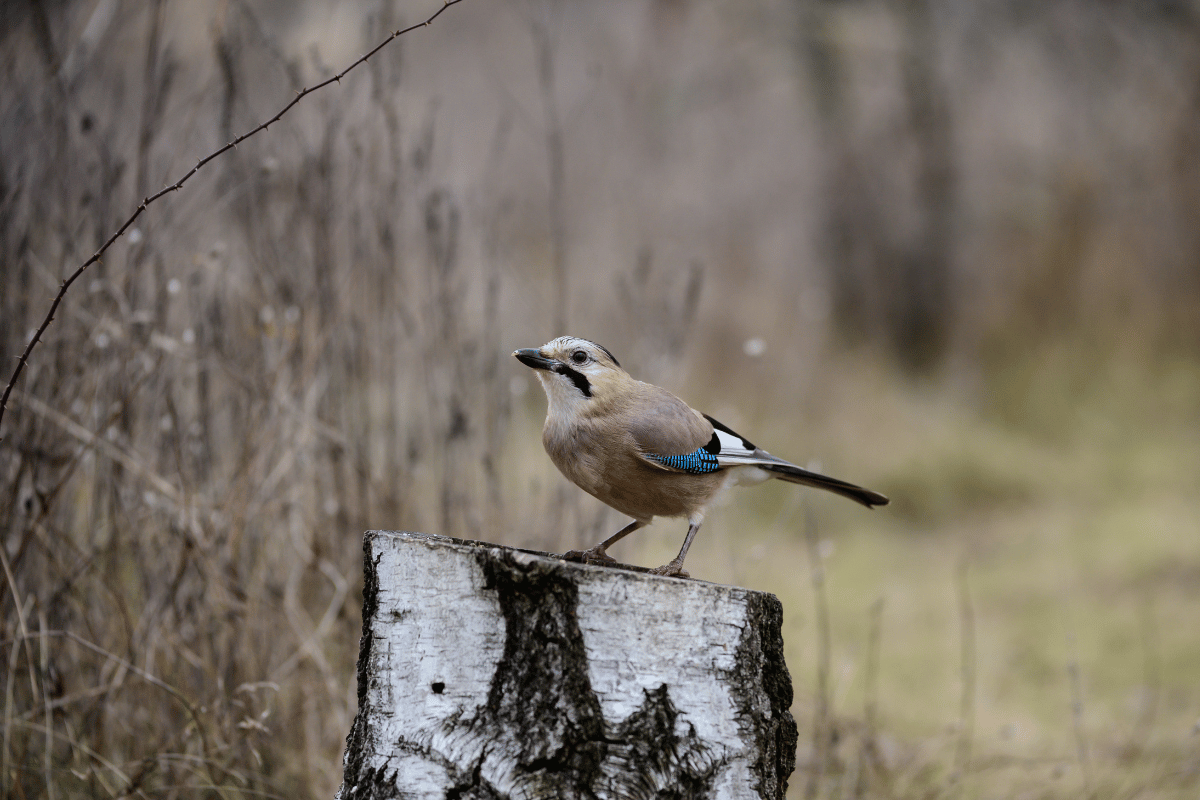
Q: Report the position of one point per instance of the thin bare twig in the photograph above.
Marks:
(1081, 743)
(110, 450)
(66, 284)
(1151, 674)
(24, 630)
(310, 644)
(871, 757)
(87, 751)
(821, 719)
(10, 683)
(44, 665)
(966, 714)
(205, 746)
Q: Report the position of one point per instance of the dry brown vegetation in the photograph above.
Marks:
(952, 248)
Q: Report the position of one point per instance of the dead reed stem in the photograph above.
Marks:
(967, 673)
(822, 730)
(1077, 709)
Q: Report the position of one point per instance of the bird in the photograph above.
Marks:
(643, 451)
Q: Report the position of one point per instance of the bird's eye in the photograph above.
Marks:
(579, 357)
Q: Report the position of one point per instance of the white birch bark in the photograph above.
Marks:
(488, 672)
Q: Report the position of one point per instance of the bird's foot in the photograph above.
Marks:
(673, 569)
(596, 555)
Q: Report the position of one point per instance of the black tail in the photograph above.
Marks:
(794, 474)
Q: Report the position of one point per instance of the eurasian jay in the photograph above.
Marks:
(642, 450)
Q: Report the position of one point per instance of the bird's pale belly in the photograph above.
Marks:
(636, 488)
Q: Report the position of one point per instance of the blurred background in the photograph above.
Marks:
(950, 251)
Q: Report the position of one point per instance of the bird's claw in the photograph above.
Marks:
(592, 556)
(671, 570)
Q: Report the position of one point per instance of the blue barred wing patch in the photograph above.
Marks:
(697, 463)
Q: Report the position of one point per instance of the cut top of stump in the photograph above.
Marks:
(489, 672)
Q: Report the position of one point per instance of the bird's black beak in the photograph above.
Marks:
(532, 358)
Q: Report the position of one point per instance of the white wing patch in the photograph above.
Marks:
(734, 451)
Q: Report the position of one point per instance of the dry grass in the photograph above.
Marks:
(1081, 589)
(311, 339)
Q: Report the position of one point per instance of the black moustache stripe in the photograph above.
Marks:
(578, 378)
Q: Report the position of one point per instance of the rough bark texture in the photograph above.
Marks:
(487, 672)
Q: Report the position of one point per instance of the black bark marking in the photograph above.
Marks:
(540, 693)
(759, 667)
(542, 710)
(360, 742)
(646, 753)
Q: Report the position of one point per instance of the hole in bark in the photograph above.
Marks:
(438, 687)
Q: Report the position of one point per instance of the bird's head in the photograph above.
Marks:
(573, 371)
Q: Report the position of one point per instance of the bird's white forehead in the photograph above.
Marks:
(565, 344)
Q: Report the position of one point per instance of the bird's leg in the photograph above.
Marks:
(674, 567)
(597, 553)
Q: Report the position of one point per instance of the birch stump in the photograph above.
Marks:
(488, 672)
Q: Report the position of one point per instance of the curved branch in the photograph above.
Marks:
(66, 284)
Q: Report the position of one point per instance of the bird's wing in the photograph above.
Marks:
(671, 439)
(707, 445)
(668, 433)
(671, 435)
(727, 448)
(731, 449)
